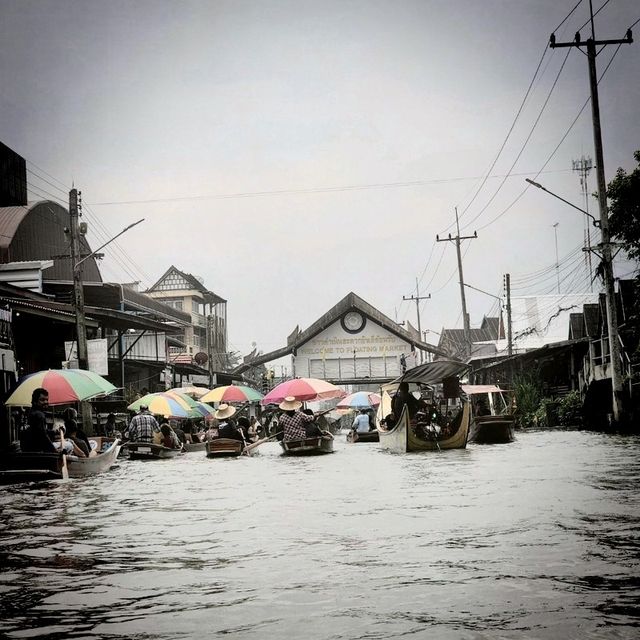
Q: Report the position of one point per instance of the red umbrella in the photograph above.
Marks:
(303, 389)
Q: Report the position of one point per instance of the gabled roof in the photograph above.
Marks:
(492, 327)
(191, 280)
(453, 342)
(350, 302)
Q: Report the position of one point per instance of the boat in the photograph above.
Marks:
(107, 450)
(407, 435)
(307, 447)
(194, 446)
(149, 451)
(18, 466)
(497, 426)
(369, 436)
(224, 448)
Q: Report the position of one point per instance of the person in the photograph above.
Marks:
(180, 434)
(212, 431)
(405, 397)
(70, 417)
(403, 363)
(249, 433)
(169, 439)
(481, 408)
(71, 433)
(226, 426)
(292, 421)
(361, 422)
(110, 425)
(34, 437)
(65, 445)
(312, 429)
(143, 426)
(255, 428)
(388, 422)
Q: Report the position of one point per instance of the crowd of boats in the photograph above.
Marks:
(443, 415)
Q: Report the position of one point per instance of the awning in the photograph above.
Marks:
(434, 372)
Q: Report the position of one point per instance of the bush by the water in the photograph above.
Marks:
(570, 410)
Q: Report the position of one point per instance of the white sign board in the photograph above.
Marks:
(96, 354)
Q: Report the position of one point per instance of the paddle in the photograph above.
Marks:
(257, 443)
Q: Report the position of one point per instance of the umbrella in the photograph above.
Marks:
(359, 400)
(194, 392)
(303, 389)
(232, 393)
(166, 405)
(202, 409)
(64, 386)
(205, 410)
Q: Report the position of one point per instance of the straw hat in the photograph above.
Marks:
(224, 411)
(290, 404)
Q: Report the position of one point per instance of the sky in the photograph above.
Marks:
(289, 152)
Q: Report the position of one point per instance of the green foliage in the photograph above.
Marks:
(528, 393)
(570, 410)
(623, 193)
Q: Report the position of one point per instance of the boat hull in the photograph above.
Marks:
(402, 438)
(369, 436)
(80, 467)
(491, 429)
(189, 447)
(307, 447)
(32, 467)
(148, 451)
(224, 448)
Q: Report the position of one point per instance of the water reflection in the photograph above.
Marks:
(535, 539)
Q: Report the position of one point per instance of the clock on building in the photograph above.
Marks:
(353, 322)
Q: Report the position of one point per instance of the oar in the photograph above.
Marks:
(257, 443)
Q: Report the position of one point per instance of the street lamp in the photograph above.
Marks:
(596, 223)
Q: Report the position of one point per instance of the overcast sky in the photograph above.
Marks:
(289, 152)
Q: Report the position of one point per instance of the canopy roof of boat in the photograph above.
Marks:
(433, 372)
(475, 389)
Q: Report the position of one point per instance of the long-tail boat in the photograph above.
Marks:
(407, 434)
(490, 421)
(103, 457)
(149, 451)
(367, 436)
(308, 446)
(224, 448)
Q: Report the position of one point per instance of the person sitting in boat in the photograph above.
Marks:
(71, 434)
(34, 437)
(212, 429)
(361, 422)
(169, 439)
(180, 434)
(313, 429)
(292, 421)
(143, 426)
(388, 422)
(226, 426)
(405, 397)
(70, 417)
(244, 426)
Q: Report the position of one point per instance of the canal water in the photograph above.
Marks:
(535, 539)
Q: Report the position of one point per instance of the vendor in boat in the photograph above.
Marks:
(70, 417)
(226, 426)
(312, 429)
(143, 426)
(405, 397)
(292, 421)
(34, 437)
(169, 439)
(82, 449)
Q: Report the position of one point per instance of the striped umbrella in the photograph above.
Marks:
(359, 400)
(64, 386)
(194, 392)
(303, 389)
(166, 405)
(205, 410)
(232, 393)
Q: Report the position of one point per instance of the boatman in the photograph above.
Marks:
(361, 422)
(293, 421)
(34, 437)
(143, 426)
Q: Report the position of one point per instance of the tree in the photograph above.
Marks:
(623, 193)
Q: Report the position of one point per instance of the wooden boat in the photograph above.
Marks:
(498, 425)
(407, 435)
(224, 448)
(369, 436)
(194, 446)
(107, 450)
(21, 466)
(149, 451)
(307, 447)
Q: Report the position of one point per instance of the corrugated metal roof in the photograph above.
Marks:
(10, 219)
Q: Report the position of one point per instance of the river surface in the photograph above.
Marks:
(539, 538)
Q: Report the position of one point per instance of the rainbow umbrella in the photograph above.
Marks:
(232, 393)
(359, 400)
(193, 392)
(163, 404)
(64, 386)
(205, 410)
(303, 389)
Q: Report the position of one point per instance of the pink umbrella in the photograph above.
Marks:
(303, 389)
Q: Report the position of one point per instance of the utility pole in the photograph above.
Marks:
(583, 167)
(465, 316)
(555, 232)
(78, 292)
(417, 298)
(605, 245)
(507, 288)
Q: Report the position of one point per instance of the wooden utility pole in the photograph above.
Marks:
(507, 288)
(417, 298)
(605, 245)
(465, 316)
(78, 292)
